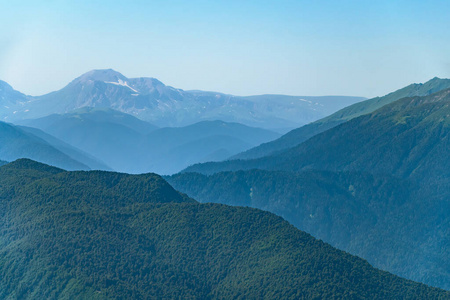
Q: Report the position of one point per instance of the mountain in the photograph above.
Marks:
(106, 134)
(75, 153)
(299, 135)
(16, 142)
(10, 101)
(408, 137)
(152, 101)
(105, 116)
(376, 186)
(379, 218)
(169, 150)
(128, 144)
(133, 236)
(319, 202)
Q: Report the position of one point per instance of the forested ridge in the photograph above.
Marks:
(376, 186)
(299, 135)
(96, 235)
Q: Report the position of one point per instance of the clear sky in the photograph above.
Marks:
(310, 47)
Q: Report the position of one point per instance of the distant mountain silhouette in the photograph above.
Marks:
(128, 144)
(20, 142)
(73, 152)
(152, 101)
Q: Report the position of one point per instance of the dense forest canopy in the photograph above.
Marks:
(107, 235)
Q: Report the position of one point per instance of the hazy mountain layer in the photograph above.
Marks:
(151, 100)
(299, 135)
(128, 144)
(169, 149)
(75, 153)
(16, 142)
(106, 235)
(90, 114)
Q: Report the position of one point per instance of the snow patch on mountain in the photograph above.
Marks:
(122, 83)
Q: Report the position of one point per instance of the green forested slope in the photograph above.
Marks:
(96, 235)
(390, 222)
(391, 206)
(407, 138)
(299, 135)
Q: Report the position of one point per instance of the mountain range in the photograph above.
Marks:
(105, 235)
(372, 179)
(299, 135)
(400, 139)
(127, 144)
(152, 101)
(376, 186)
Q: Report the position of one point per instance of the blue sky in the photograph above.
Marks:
(361, 48)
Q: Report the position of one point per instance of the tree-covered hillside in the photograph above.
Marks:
(377, 186)
(383, 219)
(408, 138)
(103, 235)
(299, 135)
